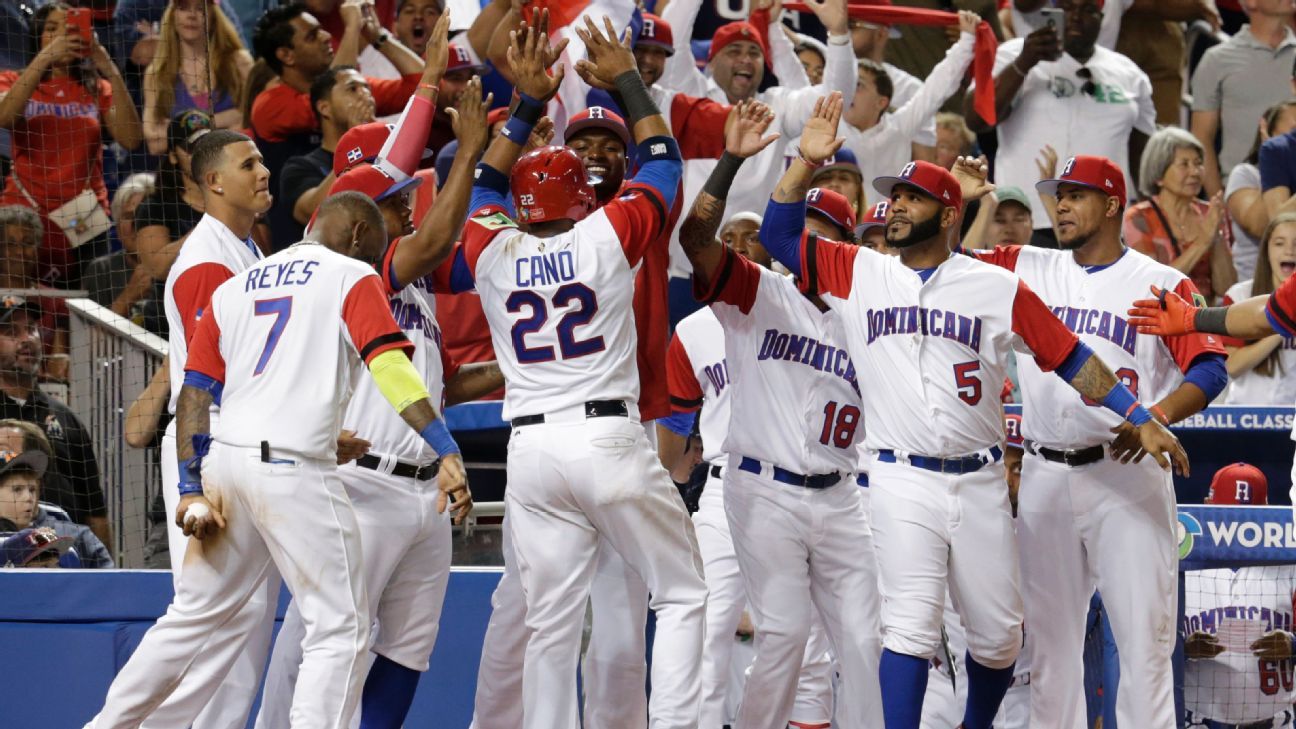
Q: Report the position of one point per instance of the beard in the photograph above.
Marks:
(1080, 238)
(918, 232)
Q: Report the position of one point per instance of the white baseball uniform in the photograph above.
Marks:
(698, 377)
(406, 543)
(286, 338)
(940, 340)
(1099, 524)
(793, 506)
(211, 254)
(1251, 387)
(1236, 687)
(579, 462)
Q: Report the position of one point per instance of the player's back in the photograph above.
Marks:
(560, 313)
(286, 330)
(702, 340)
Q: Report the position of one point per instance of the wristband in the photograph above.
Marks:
(722, 177)
(839, 40)
(638, 104)
(431, 87)
(517, 130)
(1159, 414)
(1212, 320)
(191, 467)
(381, 40)
(657, 148)
(491, 179)
(529, 109)
(807, 162)
(1122, 402)
(437, 435)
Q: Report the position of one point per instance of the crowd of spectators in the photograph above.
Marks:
(1192, 98)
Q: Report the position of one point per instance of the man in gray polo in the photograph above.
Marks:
(1237, 80)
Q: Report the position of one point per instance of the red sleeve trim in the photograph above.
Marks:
(826, 266)
(477, 236)
(638, 215)
(192, 292)
(204, 350)
(681, 379)
(735, 283)
(449, 366)
(698, 124)
(1001, 256)
(369, 320)
(1047, 337)
(390, 94)
(1187, 347)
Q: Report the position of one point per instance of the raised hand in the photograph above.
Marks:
(745, 127)
(541, 135)
(968, 22)
(832, 13)
(971, 173)
(819, 139)
(452, 481)
(437, 53)
(1166, 315)
(1046, 163)
(469, 119)
(606, 57)
(1164, 448)
(530, 56)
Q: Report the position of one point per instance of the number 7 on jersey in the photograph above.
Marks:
(282, 310)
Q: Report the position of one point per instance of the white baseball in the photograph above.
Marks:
(197, 511)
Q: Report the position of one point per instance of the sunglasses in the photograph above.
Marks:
(1089, 87)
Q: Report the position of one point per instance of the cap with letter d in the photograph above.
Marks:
(1239, 484)
(930, 178)
(1090, 171)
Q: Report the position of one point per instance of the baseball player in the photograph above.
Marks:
(406, 543)
(937, 328)
(1087, 520)
(235, 189)
(279, 346)
(1224, 686)
(793, 509)
(557, 294)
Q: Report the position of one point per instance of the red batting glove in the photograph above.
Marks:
(1166, 315)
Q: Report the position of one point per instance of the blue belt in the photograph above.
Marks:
(817, 481)
(965, 464)
(862, 480)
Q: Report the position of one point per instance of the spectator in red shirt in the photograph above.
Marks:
(57, 109)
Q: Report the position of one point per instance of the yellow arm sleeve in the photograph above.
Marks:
(397, 379)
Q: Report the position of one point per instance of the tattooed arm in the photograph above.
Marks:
(473, 381)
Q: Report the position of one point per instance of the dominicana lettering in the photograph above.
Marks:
(1099, 323)
(965, 330)
(1208, 620)
(807, 351)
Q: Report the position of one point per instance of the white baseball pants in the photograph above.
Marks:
(932, 531)
(294, 515)
(204, 699)
(407, 551)
(1113, 527)
(497, 703)
(614, 671)
(572, 480)
(798, 548)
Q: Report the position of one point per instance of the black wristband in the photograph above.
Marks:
(722, 177)
(638, 104)
(1211, 320)
(491, 179)
(528, 109)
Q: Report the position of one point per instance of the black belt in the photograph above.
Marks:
(961, 465)
(1073, 458)
(1262, 724)
(782, 475)
(717, 471)
(593, 409)
(402, 469)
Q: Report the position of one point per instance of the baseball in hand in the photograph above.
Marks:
(195, 512)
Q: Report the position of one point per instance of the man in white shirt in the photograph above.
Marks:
(1028, 17)
(1071, 93)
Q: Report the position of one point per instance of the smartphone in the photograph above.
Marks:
(1056, 17)
(78, 20)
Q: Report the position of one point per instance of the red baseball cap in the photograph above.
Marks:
(656, 32)
(598, 117)
(832, 205)
(462, 60)
(932, 179)
(360, 143)
(876, 218)
(1087, 170)
(739, 30)
(1239, 484)
(372, 181)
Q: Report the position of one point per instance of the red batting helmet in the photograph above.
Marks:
(550, 183)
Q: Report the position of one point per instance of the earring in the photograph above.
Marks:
(220, 189)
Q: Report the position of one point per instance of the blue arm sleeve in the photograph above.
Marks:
(203, 382)
(662, 167)
(490, 187)
(1070, 366)
(781, 230)
(1209, 374)
(680, 424)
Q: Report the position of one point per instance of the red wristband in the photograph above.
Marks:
(1159, 413)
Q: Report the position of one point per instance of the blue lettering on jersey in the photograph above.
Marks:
(1208, 620)
(409, 317)
(965, 330)
(293, 273)
(545, 269)
(718, 374)
(807, 351)
(1103, 324)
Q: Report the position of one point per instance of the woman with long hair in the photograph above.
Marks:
(1242, 193)
(200, 64)
(1171, 224)
(57, 109)
(1264, 371)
